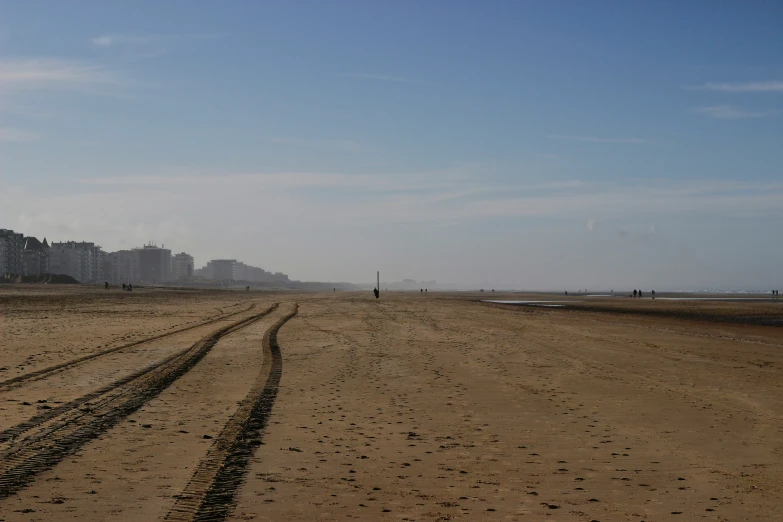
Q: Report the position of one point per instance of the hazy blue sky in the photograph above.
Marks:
(533, 144)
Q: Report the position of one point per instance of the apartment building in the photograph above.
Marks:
(122, 266)
(65, 260)
(11, 252)
(182, 266)
(81, 260)
(223, 269)
(233, 270)
(154, 264)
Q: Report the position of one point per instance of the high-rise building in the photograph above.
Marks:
(223, 269)
(98, 259)
(154, 264)
(11, 252)
(65, 260)
(83, 260)
(122, 267)
(182, 266)
(3, 249)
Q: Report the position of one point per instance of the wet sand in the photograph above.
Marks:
(414, 407)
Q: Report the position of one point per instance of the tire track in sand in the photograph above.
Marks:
(15, 431)
(210, 493)
(46, 372)
(71, 429)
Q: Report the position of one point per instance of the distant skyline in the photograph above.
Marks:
(528, 145)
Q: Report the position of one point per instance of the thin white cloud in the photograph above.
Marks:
(12, 135)
(382, 77)
(728, 112)
(597, 139)
(248, 209)
(130, 39)
(412, 181)
(48, 73)
(344, 145)
(103, 41)
(453, 195)
(26, 111)
(771, 86)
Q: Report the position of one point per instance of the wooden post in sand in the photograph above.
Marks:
(378, 275)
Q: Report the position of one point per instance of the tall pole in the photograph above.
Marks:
(378, 274)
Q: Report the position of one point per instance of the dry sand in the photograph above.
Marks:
(411, 407)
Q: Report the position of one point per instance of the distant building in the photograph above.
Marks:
(64, 260)
(122, 266)
(83, 260)
(182, 266)
(241, 271)
(223, 269)
(233, 270)
(11, 252)
(205, 271)
(35, 256)
(154, 264)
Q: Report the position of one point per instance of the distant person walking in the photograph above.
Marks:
(130, 287)
(566, 293)
(376, 292)
(640, 293)
(653, 294)
(124, 286)
(106, 285)
(634, 292)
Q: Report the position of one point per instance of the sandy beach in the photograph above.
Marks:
(193, 405)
